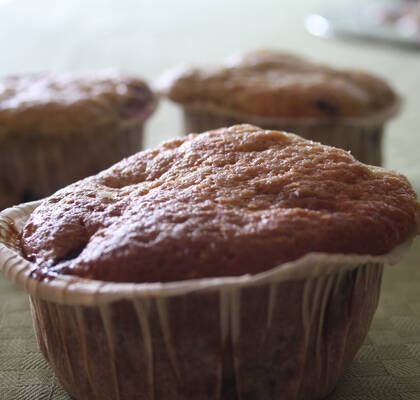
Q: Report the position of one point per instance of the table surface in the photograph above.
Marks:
(146, 37)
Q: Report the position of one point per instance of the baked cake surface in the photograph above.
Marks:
(223, 203)
(279, 85)
(51, 104)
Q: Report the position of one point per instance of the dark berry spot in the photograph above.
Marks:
(326, 107)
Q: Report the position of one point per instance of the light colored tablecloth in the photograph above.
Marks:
(148, 36)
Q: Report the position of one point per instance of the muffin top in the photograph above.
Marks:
(223, 203)
(50, 104)
(279, 85)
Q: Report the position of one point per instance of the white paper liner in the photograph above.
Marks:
(287, 333)
(35, 167)
(361, 136)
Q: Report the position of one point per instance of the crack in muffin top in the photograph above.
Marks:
(59, 103)
(223, 203)
(273, 84)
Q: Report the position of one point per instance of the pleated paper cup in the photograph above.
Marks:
(361, 136)
(287, 333)
(35, 166)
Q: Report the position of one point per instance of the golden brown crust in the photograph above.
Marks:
(279, 85)
(224, 203)
(57, 104)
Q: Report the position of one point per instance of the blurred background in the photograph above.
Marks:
(146, 37)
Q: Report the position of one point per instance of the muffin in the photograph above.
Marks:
(237, 263)
(275, 90)
(58, 128)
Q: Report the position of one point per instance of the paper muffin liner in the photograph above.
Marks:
(33, 167)
(361, 136)
(287, 333)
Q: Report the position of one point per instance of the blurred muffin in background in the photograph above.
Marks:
(276, 90)
(58, 128)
